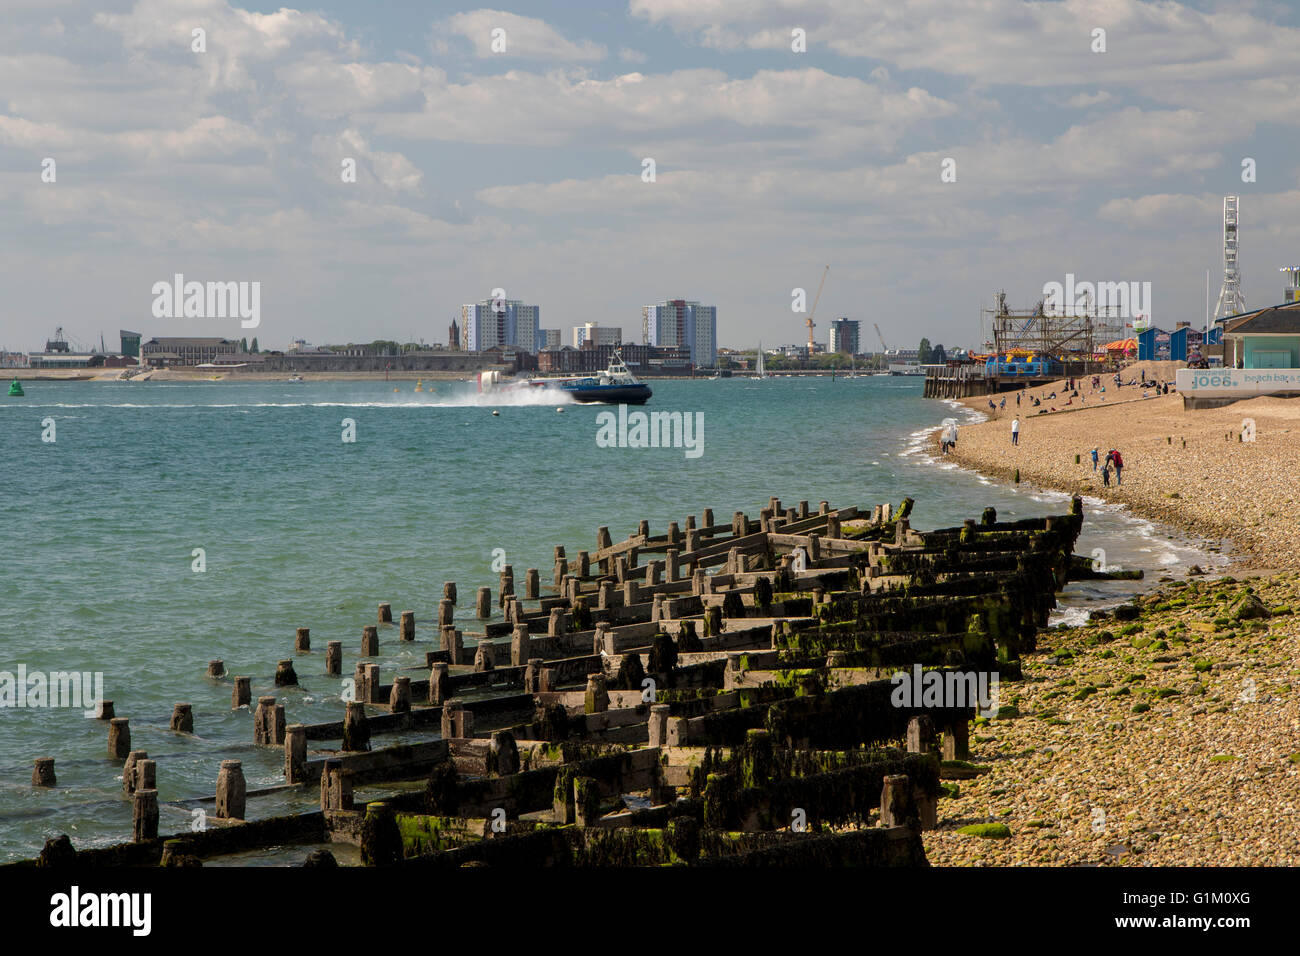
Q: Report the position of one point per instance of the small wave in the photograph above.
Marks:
(1069, 616)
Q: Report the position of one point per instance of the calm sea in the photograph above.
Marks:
(300, 528)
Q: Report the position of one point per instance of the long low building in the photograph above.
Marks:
(1261, 356)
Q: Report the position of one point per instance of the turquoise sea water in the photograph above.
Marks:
(302, 529)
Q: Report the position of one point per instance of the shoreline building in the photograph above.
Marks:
(550, 339)
(183, 350)
(681, 323)
(507, 322)
(597, 334)
(844, 336)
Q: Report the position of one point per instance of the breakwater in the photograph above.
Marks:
(717, 694)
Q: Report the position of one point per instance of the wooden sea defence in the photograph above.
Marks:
(726, 692)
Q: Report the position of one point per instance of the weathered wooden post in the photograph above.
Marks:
(895, 800)
(519, 646)
(920, 735)
(146, 774)
(586, 801)
(144, 816)
(561, 570)
(372, 684)
(335, 787)
(302, 640)
(216, 670)
(507, 583)
(672, 565)
(231, 791)
(833, 525)
(557, 624)
(708, 521)
(359, 682)
(532, 585)
(119, 738)
(370, 641)
(956, 741)
(407, 626)
(449, 591)
(483, 604)
(596, 700)
(385, 613)
(631, 593)
(356, 728)
(484, 658)
(334, 658)
(505, 754)
(659, 714)
(264, 722)
(399, 698)
(452, 643)
(43, 773)
(533, 675)
(129, 777)
(603, 540)
(241, 695)
(285, 676)
(295, 753)
(182, 718)
(447, 611)
(439, 683)
(602, 641)
(692, 539)
(606, 595)
(652, 571)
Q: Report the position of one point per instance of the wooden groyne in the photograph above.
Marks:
(722, 693)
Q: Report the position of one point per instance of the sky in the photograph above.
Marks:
(526, 168)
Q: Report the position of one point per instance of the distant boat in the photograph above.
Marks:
(760, 370)
(296, 378)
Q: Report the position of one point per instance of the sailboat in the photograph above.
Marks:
(759, 370)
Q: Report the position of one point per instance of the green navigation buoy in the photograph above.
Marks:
(16, 389)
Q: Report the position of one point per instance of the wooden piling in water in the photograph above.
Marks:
(370, 641)
(43, 773)
(119, 738)
(407, 627)
(334, 658)
(182, 718)
(302, 640)
(231, 791)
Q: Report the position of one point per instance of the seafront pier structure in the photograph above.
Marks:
(724, 693)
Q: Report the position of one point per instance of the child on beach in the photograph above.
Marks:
(1094, 459)
(1105, 473)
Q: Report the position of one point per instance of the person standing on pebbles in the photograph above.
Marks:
(1015, 430)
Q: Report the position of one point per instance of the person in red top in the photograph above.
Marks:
(1119, 467)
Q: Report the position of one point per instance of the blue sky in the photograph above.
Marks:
(521, 169)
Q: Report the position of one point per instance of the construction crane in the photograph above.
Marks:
(809, 320)
(880, 335)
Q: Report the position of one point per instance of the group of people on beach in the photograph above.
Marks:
(1113, 460)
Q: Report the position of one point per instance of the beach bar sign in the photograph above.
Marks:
(1236, 382)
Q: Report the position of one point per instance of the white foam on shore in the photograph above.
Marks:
(1071, 616)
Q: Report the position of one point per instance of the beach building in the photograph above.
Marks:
(1261, 356)
(166, 350)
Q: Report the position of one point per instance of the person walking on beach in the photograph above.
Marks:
(1119, 467)
(1015, 430)
(1094, 459)
(1017, 399)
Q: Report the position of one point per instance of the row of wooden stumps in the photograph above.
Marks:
(737, 677)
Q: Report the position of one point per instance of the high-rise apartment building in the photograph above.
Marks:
(844, 336)
(507, 322)
(679, 323)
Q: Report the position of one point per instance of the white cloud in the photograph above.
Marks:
(525, 37)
